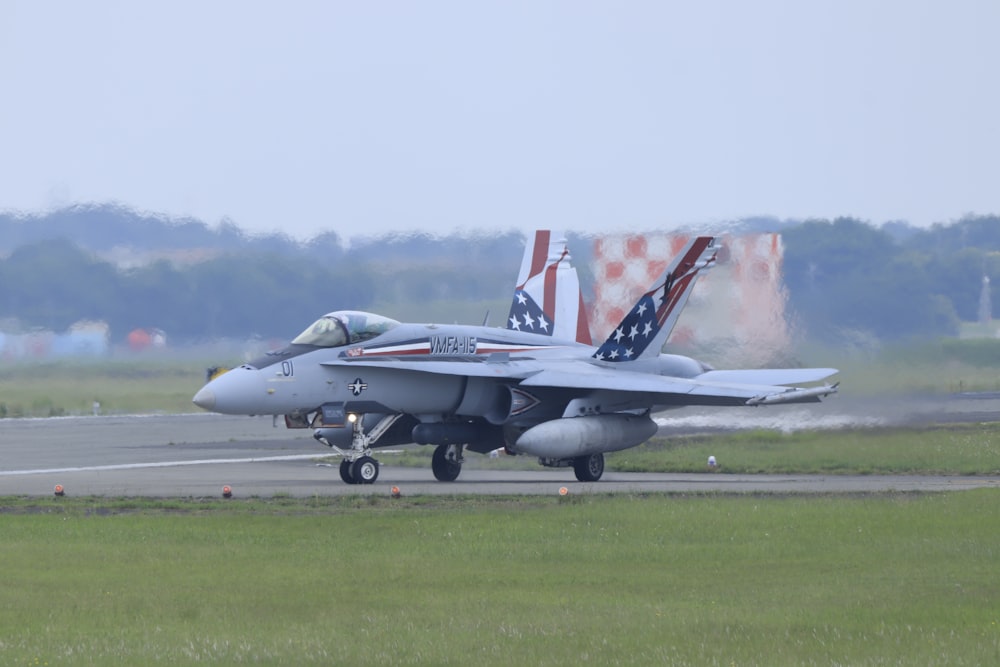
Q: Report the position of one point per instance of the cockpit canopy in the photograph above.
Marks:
(344, 327)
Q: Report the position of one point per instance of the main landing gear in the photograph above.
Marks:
(447, 462)
(589, 468)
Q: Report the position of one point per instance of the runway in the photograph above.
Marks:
(196, 455)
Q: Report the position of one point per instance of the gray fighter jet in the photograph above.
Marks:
(538, 387)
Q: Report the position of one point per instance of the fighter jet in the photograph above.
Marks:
(365, 381)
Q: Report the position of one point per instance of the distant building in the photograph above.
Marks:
(143, 339)
(86, 338)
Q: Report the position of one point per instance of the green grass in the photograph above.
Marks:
(923, 367)
(121, 387)
(650, 579)
(878, 377)
(967, 449)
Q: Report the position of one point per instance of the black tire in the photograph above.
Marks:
(365, 470)
(444, 470)
(589, 468)
(345, 472)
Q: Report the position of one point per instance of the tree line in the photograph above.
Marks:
(843, 276)
(890, 282)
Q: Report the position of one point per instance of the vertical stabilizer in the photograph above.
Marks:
(646, 327)
(547, 298)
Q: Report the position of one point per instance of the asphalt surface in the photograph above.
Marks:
(196, 455)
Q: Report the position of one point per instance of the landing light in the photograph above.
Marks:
(351, 417)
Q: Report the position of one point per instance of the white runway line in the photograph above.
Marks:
(163, 464)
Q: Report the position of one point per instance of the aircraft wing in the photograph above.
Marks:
(758, 387)
(682, 391)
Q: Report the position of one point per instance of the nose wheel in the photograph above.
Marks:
(365, 470)
(345, 471)
(362, 471)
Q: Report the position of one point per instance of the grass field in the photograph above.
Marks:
(652, 579)
(121, 387)
(968, 449)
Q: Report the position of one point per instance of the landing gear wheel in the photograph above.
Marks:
(345, 472)
(589, 468)
(365, 470)
(445, 469)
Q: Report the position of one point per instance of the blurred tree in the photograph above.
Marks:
(848, 275)
(52, 284)
(981, 232)
(158, 296)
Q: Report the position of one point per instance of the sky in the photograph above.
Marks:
(454, 116)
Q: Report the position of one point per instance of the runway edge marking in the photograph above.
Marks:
(160, 464)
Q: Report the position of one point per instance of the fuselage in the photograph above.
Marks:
(398, 370)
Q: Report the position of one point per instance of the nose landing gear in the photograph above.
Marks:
(357, 465)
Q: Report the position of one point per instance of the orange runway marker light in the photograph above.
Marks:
(394, 491)
(227, 491)
(563, 491)
(60, 491)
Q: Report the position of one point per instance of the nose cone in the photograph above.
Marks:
(204, 399)
(241, 391)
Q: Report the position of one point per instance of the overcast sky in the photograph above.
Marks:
(365, 117)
